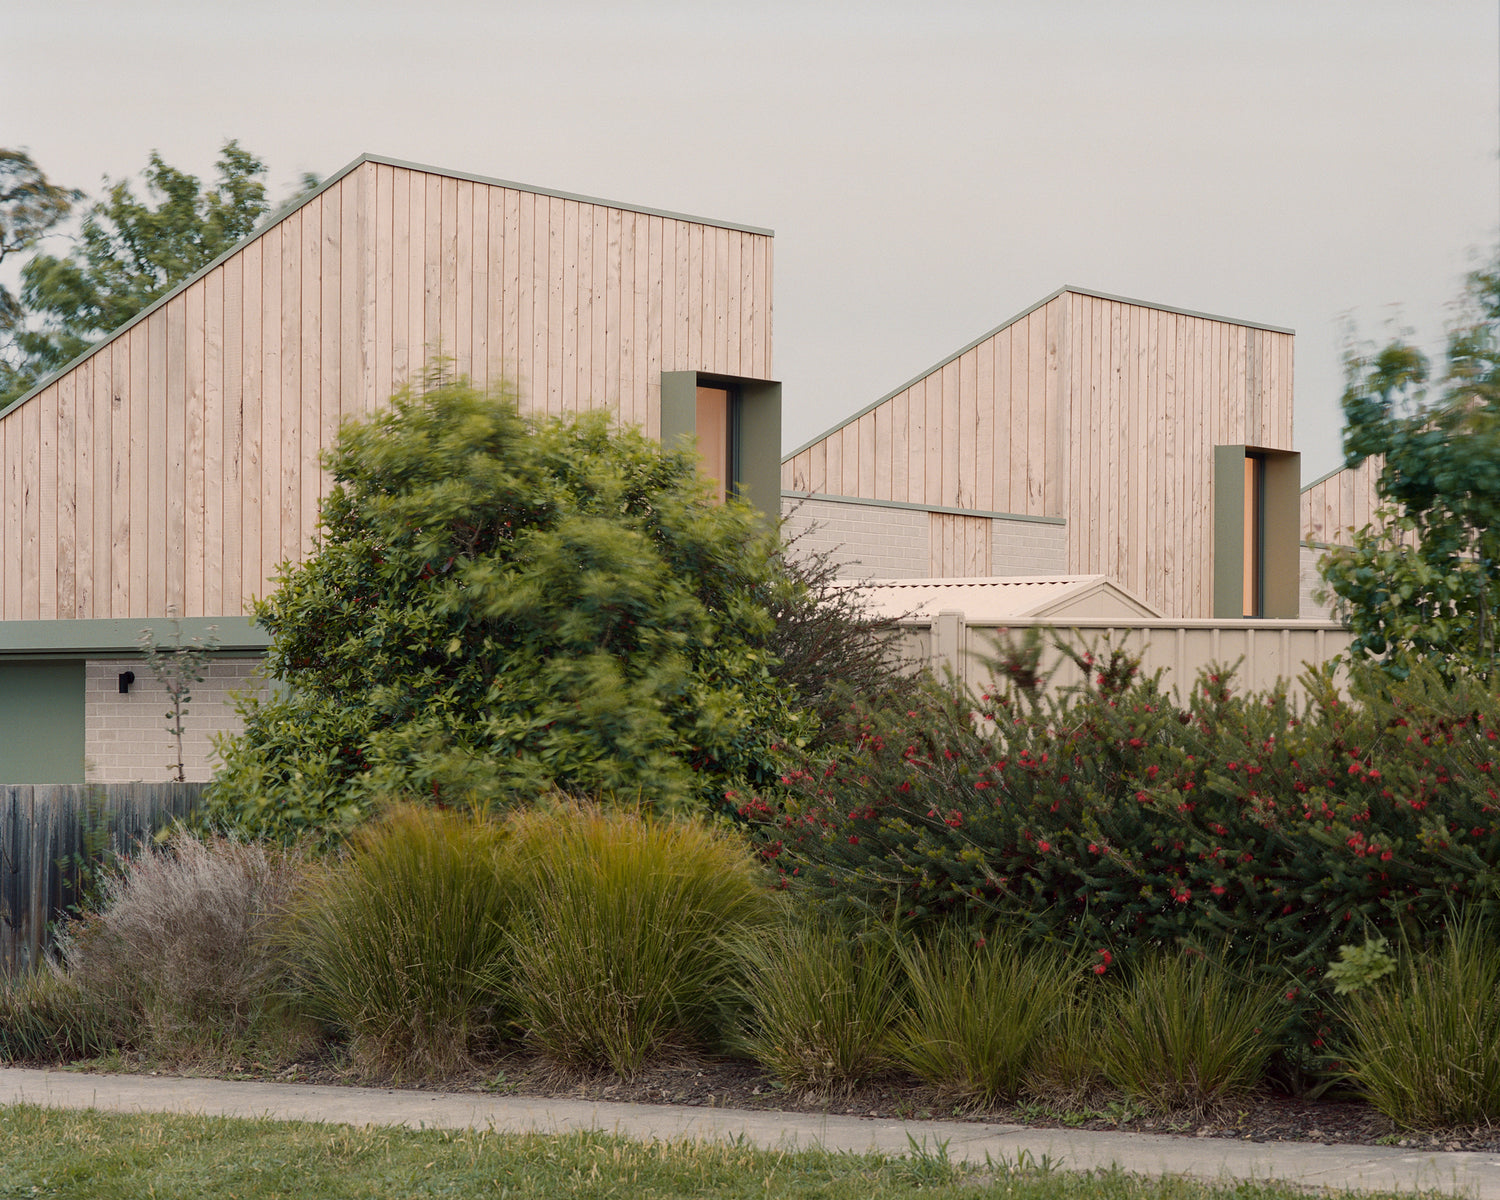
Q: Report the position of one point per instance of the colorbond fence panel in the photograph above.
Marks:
(1268, 651)
(176, 466)
(46, 830)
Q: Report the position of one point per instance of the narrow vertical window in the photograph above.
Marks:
(1254, 574)
(717, 419)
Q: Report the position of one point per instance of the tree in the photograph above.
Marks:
(1421, 582)
(30, 205)
(128, 254)
(500, 605)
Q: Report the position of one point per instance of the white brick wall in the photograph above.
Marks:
(867, 540)
(126, 738)
(1028, 548)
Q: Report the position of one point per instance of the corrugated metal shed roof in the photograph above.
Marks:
(997, 599)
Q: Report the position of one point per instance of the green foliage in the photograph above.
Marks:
(981, 1010)
(128, 255)
(399, 944)
(176, 666)
(46, 1018)
(1185, 1035)
(1127, 820)
(821, 1005)
(1424, 1043)
(1360, 966)
(1420, 583)
(827, 645)
(30, 205)
(501, 604)
(625, 947)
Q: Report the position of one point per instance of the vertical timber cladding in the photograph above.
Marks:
(1152, 392)
(982, 431)
(1099, 410)
(173, 467)
(41, 721)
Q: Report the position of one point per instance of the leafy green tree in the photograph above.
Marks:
(30, 205)
(129, 253)
(1421, 581)
(501, 605)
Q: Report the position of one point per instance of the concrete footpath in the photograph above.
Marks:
(1338, 1167)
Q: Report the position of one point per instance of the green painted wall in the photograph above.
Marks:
(41, 722)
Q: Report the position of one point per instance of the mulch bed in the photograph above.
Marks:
(1264, 1117)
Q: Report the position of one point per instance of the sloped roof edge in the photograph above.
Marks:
(1028, 597)
(1026, 312)
(292, 206)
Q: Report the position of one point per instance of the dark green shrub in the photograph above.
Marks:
(1118, 815)
(500, 604)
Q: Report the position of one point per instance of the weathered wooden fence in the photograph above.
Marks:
(46, 830)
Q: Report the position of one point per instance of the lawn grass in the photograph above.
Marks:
(50, 1152)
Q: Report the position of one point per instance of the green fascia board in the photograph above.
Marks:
(1009, 321)
(290, 207)
(789, 494)
(111, 637)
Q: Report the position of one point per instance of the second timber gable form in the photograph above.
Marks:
(1077, 438)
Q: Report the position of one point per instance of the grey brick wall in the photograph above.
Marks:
(1028, 548)
(126, 738)
(867, 540)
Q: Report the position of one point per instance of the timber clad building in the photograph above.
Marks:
(168, 471)
(1089, 435)
(159, 480)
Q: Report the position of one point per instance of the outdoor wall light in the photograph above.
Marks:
(126, 679)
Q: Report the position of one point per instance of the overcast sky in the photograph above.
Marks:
(929, 169)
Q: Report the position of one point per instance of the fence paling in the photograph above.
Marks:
(44, 833)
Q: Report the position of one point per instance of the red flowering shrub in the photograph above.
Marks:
(1114, 815)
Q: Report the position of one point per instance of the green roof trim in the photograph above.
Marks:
(789, 494)
(111, 636)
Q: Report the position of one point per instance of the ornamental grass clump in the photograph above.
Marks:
(821, 1004)
(178, 953)
(625, 945)
(1187, 1036)
(400, 944)
(46, 1018)
(981, 1009)
(1423, 1043)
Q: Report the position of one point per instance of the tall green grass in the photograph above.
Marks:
(624, 947)
(400, 945)
(1185, 1035)
(45, 1017)
(1424, 1043)
(980, 1012)
(821, 1003)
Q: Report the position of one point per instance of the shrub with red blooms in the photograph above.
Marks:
(1114, 816)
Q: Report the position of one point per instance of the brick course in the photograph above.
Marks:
(126, 738)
